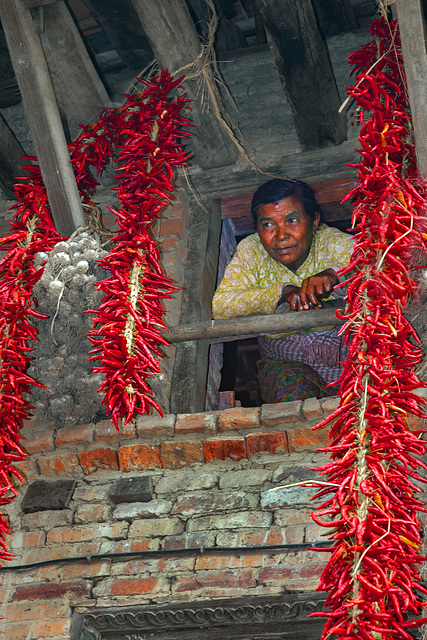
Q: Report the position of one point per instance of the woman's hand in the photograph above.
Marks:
(309, 295)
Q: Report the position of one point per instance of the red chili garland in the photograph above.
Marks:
(371, 575)
(147, 130)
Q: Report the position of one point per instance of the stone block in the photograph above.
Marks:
(312, 409)
(238, 520)
(212, 502)
(135, 489)
(330, 404)
(244, 478)
(282, 413)
(43, 495)
(156, 528)
(186, 481)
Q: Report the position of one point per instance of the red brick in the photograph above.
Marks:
(105, 431)
(172, 227)
(238, 418)
(282, 573)
(312, 409)
(173, 266)
(77, 434)
(91, 461)
(51, 628)
(257, 538)
(92, 513)
(305, 439)
(86, 533)
(414, 423)
(195, 423)
(139, 456)
(224, 448)
(125, 587)
(63, 463)
(18, 631)
(282, 413)
(272, 442)
(38, 441)
(33, 539)
(188, 541)
(178, 454)
(51, 590)
(25, 610)
(232, 579)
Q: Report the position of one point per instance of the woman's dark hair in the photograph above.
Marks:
(274, 190)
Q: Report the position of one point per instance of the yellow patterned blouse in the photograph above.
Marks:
(253, 280)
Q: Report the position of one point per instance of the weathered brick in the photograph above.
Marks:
(91, 493)
(230, 579)
(188, 505)
(92, 513)
(134, 545)
(286, 496)
(272, 442)
(76, 434)
(290, 517)
(55, 465)
(139, 456)
(305, 439)
(155, 426)
(50, 591)
(312, 409)
(132, 510)
(239, 520)
(92, 461)
(156, 566)
(38, 441)
(258, 537)
(223, 448)
(17, 631)
(51, 628)
(172, 227)
(282, 413)
(105, 431)
(25, 539)
(28, 469)
(26, 610)
(155, 528)
(196, 423)
(284, 573)
(47, 519)
(94, 569)
(238, 418)
(186, 480)
(244, 478)
(212, 562)
(189, 541)
(178, 454)
(125, 586)
(330, 404)
(86, 533)
(132, 489)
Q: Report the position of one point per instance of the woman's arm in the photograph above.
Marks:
(309, 295)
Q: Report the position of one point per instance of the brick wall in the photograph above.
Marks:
(212, 476)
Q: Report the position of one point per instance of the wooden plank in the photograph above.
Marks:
(11, 161)
(333, 191)
(42, 115)
(335, 16)
(79, 90)
(122, 25)
(254, 325)
(305, 70)
(412, 33)
(33, 4)
(173, 38)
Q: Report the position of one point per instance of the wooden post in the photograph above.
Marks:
(305, 70)
(11, 154)
(42, 115)
(173, 38)
(412, 33)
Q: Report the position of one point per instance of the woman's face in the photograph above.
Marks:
(286, 231)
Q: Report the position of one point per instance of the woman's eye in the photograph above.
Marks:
(266, 224)
(292, 220)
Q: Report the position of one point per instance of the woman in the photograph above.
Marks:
(290, 262)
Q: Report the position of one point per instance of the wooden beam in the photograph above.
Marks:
(173, 38)
(305, 70)
(239, 206)
(228, 35)
(33, 4)
(255, 325)
(412, 32)
(42, 115)
(335, 16)
(79, 90)
(122, 25)
(11, 154)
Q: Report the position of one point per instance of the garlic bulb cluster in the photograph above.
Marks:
(65, 293)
